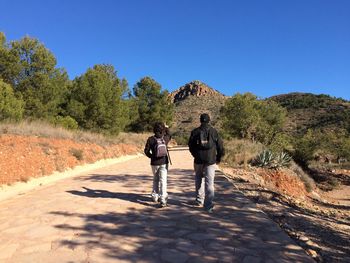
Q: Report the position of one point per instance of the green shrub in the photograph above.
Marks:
(66, 122)
(305, 148)
(281, 142)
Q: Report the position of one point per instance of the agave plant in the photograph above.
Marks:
(264, 159)
(282, 160)
(267, 159)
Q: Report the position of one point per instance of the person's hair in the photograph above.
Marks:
(204, 118)
(158, 127)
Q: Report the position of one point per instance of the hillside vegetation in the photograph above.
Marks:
(310, 111)
(32, 87)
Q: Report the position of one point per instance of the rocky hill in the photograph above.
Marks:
(310, 111)
(195, 88)
(190, 101)
(305, 110)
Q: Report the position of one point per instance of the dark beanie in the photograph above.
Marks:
(204, 118)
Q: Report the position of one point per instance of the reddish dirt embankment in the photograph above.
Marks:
(318, 221)
(24, 157)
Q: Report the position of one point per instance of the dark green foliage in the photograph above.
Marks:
(319, 127)
(96, 100)
(281, 142)
(244, 116)
(323, 145)
(29, 67)
(152, 105)
(11, 108)
(271, 120)
(306, 100)
(240, 116)
(66, 122)
(305, 148)
(310, 111)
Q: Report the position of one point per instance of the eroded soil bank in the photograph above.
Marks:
(25, 157)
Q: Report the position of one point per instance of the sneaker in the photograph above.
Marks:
(162, 204)
(210, 210)
(198, 204)
(155, 198)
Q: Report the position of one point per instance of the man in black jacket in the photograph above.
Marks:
(156, 145)
(207, 149)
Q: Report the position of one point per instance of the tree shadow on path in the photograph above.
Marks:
(236, 232)
(95, 193)
(333, 244)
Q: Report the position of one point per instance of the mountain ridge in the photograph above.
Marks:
(304, 110)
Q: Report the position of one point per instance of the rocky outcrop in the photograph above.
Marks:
(191, 100)
(195, 88)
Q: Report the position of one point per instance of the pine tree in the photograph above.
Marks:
(97, 100)
(152, 103)
(11, 108)
(31, 70)
(244, 116)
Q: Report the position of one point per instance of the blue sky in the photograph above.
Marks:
(266, 47)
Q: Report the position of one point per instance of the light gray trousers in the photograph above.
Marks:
(159, 191)
(205, 175)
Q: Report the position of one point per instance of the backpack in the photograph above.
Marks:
(205, 140)
(160, 147)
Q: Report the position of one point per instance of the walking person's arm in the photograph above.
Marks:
(220, 150)
(148, 148)
(191, 145)
(167, 138)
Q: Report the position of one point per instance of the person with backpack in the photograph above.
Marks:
(156, 149)
(207, 149)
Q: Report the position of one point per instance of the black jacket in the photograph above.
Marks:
(150, 149)
(209, 156)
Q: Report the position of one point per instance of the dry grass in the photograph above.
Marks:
(240, 152)
(35, 128)
(43, 129)
(138, 139)
(305, 178)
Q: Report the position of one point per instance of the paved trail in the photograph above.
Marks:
(106, 216)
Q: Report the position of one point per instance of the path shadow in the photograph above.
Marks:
(180, 232)
(143, 199)
(115, 178)
(343, 207)
(96, 193)
(304, 221)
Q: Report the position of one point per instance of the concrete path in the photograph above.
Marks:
(107, 216)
